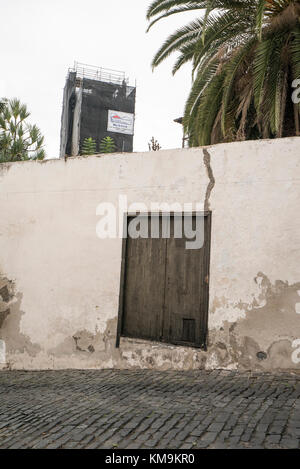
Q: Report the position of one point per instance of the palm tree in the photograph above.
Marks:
(19, 140)
(245, 57)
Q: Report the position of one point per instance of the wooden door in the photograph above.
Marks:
(165, 288)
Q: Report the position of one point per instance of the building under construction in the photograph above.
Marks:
(97, 103)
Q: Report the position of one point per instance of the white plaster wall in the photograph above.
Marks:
(255, 216)
(65, 280)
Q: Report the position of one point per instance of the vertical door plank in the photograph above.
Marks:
(144, 287)
(185, 307)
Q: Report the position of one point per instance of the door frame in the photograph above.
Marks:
(208, 215)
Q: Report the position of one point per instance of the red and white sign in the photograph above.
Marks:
(120, 122)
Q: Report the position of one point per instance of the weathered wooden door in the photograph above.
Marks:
(165, 288)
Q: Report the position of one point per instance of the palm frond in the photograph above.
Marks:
(183, 9)
(261, 8)
(175, 41)
(232, 68)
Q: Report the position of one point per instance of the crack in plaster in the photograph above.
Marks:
(212, 181)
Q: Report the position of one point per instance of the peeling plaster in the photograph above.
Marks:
(296, 353)
(251, 342)
(277, 318)
(259, 335)
(2, 352)
(6, 299)
(15, 342)
(87, 342)
(298, 304)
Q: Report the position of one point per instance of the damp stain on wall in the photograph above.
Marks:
(13, 340)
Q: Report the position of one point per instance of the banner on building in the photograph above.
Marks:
(120, 122)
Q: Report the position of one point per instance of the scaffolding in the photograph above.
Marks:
(92, 72)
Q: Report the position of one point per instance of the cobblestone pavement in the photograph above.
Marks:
(149, 409)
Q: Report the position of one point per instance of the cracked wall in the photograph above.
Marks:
(211, 184)
(59, 283)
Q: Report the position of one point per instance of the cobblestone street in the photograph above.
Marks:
(149, 409)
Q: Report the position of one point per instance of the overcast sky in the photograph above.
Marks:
(41, 39)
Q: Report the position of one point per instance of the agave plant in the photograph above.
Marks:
(19, 140)
(245, 57)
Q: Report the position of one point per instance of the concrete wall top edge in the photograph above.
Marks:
(225, 146)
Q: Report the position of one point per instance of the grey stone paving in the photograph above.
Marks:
(149, 409)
